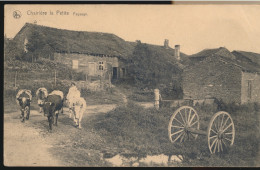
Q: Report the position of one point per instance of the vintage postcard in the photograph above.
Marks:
(131, 85)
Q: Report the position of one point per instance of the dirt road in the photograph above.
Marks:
(29, 143)
(23, 146)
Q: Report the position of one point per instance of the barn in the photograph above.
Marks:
(95, 54)
(222, 77)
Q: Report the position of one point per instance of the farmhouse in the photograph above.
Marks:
(224, 78)
(93, 53)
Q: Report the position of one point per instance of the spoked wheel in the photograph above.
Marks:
(221, 132)
(182, 119)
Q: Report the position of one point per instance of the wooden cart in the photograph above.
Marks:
(184, 124)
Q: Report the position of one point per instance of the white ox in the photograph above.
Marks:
(78, 108)
(41, 95)
(73, 93)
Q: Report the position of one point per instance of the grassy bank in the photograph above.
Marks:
(144, 132)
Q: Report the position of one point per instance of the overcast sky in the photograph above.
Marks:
(194, 27)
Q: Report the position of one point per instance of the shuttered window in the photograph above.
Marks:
(75, 64)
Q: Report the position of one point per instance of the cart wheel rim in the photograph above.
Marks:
(221, 132)
(183, 118)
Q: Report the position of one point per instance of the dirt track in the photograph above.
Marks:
(29, 143)
(23, 146)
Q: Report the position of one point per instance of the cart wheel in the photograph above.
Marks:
(221, 132)
(183, 118)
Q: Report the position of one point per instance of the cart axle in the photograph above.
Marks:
(197, 131)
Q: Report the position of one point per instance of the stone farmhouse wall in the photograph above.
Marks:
(212, 78)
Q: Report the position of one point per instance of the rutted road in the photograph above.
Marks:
(23, 146)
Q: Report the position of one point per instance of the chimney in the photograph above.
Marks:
(177, 52)
(166, 43)
(138, 41)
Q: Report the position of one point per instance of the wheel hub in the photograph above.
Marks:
(220, 135)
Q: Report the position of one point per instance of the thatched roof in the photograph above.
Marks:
(222, 51)
(68, 41)
(247, 61)
(247, 56)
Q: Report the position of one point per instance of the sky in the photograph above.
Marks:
(193, 27)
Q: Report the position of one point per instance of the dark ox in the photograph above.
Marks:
(24, 103)
(51, 107)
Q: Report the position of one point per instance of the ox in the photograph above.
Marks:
(78, 108)
(41, 95)
(73, 93)
(52, 105)
(23, 99)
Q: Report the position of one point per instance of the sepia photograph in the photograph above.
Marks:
(131, 85)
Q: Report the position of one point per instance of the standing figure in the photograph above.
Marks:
(41, 95)
(23, 99)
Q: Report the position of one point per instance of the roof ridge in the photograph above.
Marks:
(63, 29)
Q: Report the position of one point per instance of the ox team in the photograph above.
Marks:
(51, 104)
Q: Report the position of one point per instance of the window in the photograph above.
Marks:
(249, 89)
(100, 65)
(75, 64)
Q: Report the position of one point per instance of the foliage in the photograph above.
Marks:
(12, 51)
(150, 66)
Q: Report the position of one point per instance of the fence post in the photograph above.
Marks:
(156, 98)
(15, 77)
(55, 78)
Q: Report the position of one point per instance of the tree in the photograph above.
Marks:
(12, 50)
(36, 43)
(151, 66)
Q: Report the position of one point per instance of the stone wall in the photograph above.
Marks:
(212, 78)
(86, 61)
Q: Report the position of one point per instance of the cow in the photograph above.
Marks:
(78, 108)
(51, 107)
(41, 95)
(73, 93)
(23, 99)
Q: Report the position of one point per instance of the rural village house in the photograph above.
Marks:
(211, 73)
(220, 76)
(93, 53)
